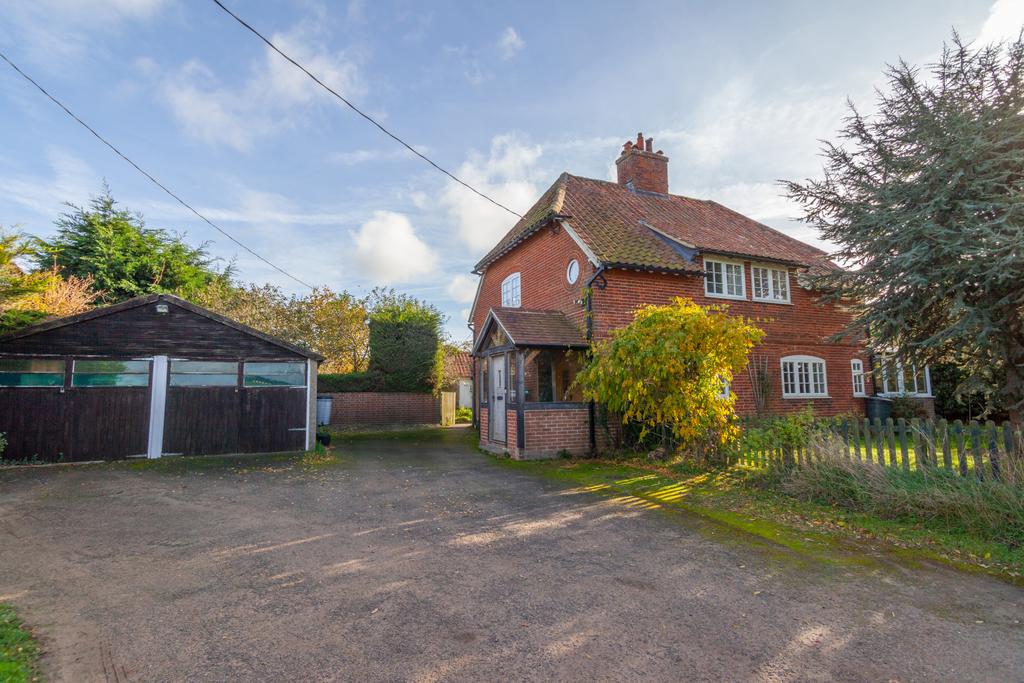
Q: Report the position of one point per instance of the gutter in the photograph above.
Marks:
(591, 408)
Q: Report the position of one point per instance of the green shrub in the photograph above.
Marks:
(907, 407)
(405, 344)
(349, 381)
(463, 415)
(787, 433)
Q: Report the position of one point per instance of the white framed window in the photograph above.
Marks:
(572, 271)
(770, 284)
(724, 279)
(857, 373)
(896, 378)
(804, 377)
(724, 392)
(511, 291)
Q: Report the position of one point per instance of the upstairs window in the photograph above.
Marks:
(572, 272)
(803, 377)
(510, 291)
(770, 284)
(857, 371)
(724, 279)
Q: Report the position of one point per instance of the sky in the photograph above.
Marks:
(505, 95)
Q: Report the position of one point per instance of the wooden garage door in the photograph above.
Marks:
(59, 411)
(226, 407)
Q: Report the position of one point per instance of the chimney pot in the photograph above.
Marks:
(641, 169)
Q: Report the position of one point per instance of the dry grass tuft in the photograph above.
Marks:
(989, 509)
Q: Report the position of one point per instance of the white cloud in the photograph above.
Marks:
(741, 128)
(56, 34)
(388, 250)
(72, 180)
(509, 43)
(1005, 20)
(509, 174)
(270, 99)
(362, 156)
(463, 288)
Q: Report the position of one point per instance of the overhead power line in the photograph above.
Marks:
(145, 173)
(359, 111)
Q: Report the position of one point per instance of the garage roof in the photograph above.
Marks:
(138, 301)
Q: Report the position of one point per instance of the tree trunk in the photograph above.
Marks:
(1013, 386)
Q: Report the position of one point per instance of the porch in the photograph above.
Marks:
(526, 368)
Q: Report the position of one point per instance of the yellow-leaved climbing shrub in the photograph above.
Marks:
(668, 367)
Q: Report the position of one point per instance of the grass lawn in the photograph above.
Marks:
(18, 651)
(733, 498)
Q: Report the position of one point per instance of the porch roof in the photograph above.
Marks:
(524, 327)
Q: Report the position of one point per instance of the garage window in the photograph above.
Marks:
(110, 373)
(275, 374)
(31, 373)
(203, 373)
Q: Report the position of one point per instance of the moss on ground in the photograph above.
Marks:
(736, 498)
(19, 654)
(245, 463)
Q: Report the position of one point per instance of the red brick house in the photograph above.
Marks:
(632, 243)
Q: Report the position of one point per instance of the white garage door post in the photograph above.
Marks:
(157, 407)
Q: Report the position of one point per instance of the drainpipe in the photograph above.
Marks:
(475, 380)
(588, 288)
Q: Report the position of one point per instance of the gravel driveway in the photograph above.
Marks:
(426, 561)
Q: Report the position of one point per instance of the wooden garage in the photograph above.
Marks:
(152, 376)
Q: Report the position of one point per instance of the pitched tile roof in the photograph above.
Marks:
(537, 328)
(649, 230)
(459, 364)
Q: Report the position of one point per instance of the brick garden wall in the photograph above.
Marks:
(380, 408)
(548, 432)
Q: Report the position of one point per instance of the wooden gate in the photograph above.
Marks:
(447, 408)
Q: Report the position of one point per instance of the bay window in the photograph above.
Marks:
(896, 378)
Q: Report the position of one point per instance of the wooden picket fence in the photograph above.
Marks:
(978, 449)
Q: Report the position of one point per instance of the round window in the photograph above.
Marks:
(572, 272)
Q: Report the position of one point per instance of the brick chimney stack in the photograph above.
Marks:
(645, 169)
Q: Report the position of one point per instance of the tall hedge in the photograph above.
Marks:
(405, 344)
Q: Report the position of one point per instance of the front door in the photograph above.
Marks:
(496, 414)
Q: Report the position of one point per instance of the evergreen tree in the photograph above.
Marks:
(125, 258)
(925, 200)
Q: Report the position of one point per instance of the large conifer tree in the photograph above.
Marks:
(925, 200)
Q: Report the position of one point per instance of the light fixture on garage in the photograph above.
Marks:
(162, 308)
